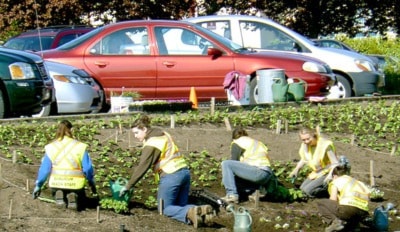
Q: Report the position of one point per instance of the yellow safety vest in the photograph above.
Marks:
(170, 159)
(255, 152)
(318, 160)
(66, 157)
(351, 192)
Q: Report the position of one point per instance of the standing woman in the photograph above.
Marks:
(171, 171)
(319, 154)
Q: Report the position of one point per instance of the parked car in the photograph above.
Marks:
(332, 43)
(385, 60)
(24, 84)
(50, 37)
(76, 91)
(163, 59)
(355, 73)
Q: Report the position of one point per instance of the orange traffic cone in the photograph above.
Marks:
(193, 98)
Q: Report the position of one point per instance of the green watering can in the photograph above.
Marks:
(297, 90)
(279, 90)
(117, 186)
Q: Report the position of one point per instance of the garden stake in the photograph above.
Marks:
(187, 144)
(394, 148)
(257, 198)
(10, 210)
(286, 126)
(353, 138)
(212, 105)
(98, 214)
(27, 185)
(371, 174)
(278, 126)
(14, 157)
(227, 124)
(172, 121)
(1, 177)
(160, 206)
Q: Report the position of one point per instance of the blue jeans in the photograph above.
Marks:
(234, 168)
(174, 190)
(316, 187)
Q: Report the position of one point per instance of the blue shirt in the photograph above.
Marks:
(45, 169)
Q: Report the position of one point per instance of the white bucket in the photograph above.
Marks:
(265, 79)
(120, 104)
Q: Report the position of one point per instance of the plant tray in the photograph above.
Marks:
(168, 106)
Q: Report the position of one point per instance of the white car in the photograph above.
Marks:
(355, 73)
(76, 91)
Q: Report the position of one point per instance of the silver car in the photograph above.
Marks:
(76, 91)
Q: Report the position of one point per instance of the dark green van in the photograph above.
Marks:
(25, 86)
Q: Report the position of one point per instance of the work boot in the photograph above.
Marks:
(59, 197)
(194, 215)
(336, 225)
(207, 214)
(230, 199)
(72, 201)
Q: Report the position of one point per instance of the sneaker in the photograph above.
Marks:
(207, 214)
(194, 215)
(336, 225)
(230, 199)
(59, 197)
(72, 201)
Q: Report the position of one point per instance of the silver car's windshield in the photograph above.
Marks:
(80, 39)
(228, 43)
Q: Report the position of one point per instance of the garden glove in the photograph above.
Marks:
(123, 191)
(36, 192)
(93, 188)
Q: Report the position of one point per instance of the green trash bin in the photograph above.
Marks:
(279, 90)
(297, 90)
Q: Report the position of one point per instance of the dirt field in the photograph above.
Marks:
(19, 212)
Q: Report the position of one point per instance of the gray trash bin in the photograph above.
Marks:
(265, 79)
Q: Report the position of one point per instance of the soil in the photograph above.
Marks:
(19, 212)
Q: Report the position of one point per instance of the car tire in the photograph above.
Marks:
(253, 92)
(44, 112)
(2, 106)
(342, 89)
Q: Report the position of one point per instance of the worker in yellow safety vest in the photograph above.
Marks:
(248, 167)
(348, 201)
(172, 174)
(67, 166)
(319, 154)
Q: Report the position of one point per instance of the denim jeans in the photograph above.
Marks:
(174, 190)
(316, 187)
(234, 168)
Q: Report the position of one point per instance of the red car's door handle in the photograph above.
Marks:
(101, 63)
(169, 64)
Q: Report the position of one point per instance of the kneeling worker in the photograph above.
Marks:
(68, 164)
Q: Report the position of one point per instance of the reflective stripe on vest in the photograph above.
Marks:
(255, 152)
(352, 192)
(66, 158)
(170, 159)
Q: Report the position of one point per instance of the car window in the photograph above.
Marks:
(222, 27)
(179, 41)
(67, 38)
(30, 43)
(131, 41)
(263, 36)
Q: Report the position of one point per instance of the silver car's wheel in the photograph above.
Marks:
(341, 90)
(253, 92)
(44, 112)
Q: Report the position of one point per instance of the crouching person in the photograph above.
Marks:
(69, 166)
(172, 173)
(348, 201)
(249, 166)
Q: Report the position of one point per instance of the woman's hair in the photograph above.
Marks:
(64, 129)
(239, 132)
(142, 122)
(312, 132)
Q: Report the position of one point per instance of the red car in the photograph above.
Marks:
(163, 59)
